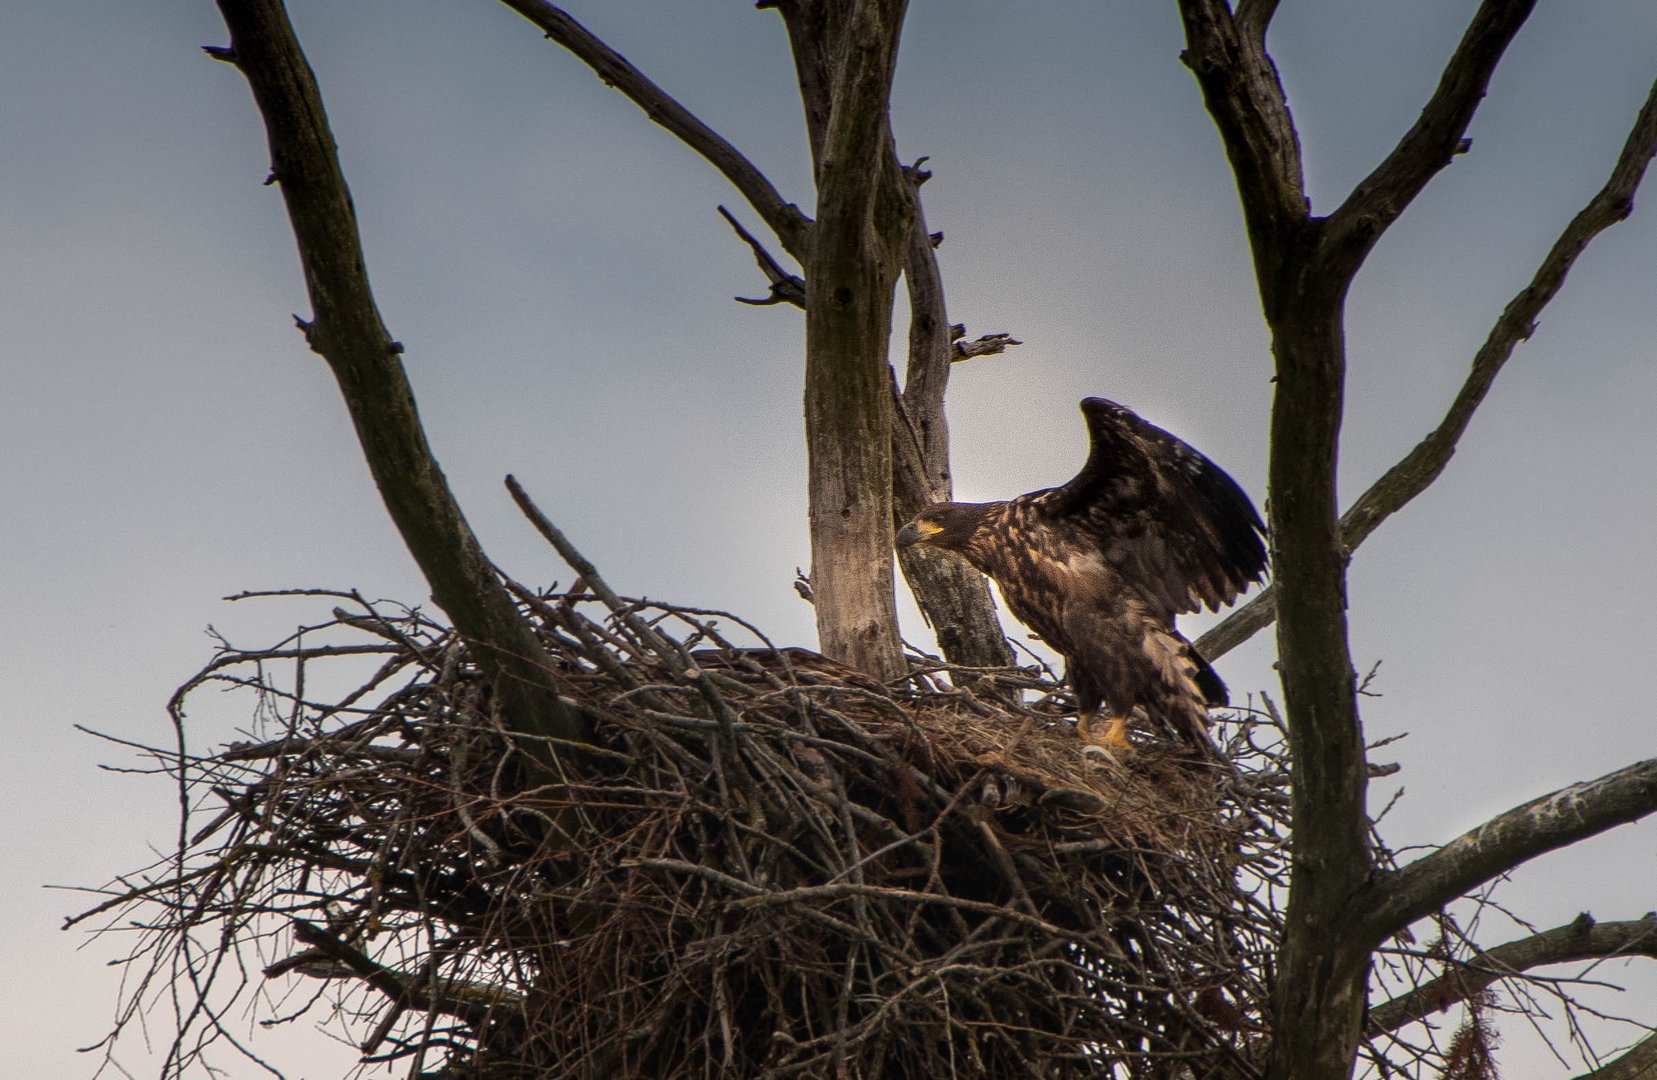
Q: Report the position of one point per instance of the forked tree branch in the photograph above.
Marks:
(1320, 968)
(1430, 144)
(348, 332)
(784, 218)
(1544, 824)
(1253, 17)
(1611, 204)
(1422, 465)
(786, 288)
(1580, 939)
(1244, 95)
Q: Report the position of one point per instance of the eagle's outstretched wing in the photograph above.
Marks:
(1171, 522)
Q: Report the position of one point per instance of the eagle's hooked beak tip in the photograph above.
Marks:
(907, 535)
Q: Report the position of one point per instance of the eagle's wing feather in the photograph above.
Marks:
(1168, 519)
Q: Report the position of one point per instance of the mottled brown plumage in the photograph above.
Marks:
(1099, 567)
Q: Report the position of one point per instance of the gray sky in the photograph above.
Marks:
(555, 267)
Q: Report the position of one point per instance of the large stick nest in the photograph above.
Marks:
(760, 864)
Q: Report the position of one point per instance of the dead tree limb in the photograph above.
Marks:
(1543, 824)
(1580, 939)
(1422, 465)
(1245, 98)
(1612, 203)
(954, 598)
(784, 218)
(1435, 138)
(1322, 968)
(985, 345)
(786, 288)
(955, 601)
(1304, 266)
(1253, 16)
(475, 1004)
(851, 272)
(347, 331)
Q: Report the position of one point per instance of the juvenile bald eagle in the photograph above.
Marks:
(1099, 568)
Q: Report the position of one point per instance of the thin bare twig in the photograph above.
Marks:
(1580, 939)
(786, 288)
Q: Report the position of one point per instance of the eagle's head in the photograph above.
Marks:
(951, 526)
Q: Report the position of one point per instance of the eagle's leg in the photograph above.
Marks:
(1115, 736)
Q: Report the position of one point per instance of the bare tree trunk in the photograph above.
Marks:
(1304, 266)
(1323, 968)
(853, 258)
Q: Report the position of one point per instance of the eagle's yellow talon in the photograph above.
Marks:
(1115, 739)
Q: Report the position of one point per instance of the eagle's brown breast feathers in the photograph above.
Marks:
(1100, 566)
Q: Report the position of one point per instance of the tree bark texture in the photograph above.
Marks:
(1546, 823)
(954, 598)
(1305, 266)
(853, 257)
(1323, 967)
(1321, 982)
(347, 331)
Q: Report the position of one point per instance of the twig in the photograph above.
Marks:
(1580, 939)
(783, 217)
(786, 288)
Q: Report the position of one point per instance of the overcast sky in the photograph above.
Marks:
(556, 269)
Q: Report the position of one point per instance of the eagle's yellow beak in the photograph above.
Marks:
(916, 531)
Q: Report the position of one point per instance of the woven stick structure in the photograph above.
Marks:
(762, 864)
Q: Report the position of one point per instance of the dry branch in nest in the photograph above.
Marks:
(762, 864)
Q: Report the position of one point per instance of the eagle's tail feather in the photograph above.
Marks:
(1208, 680)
